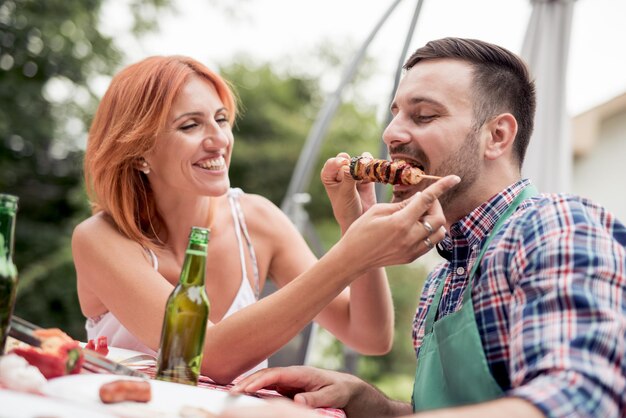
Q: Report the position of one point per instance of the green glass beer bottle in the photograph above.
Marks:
(186, 316)
(8, 272)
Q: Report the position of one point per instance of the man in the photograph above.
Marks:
(527, 315)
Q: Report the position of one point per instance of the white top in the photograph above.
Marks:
(118, 336)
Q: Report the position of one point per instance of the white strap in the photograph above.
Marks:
(240, 226)
(153, 257)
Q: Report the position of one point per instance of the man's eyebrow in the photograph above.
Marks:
(413, 101)
(421, 99)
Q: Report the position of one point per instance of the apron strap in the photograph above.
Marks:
(527, 192)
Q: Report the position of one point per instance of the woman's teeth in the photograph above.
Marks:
(213, 164)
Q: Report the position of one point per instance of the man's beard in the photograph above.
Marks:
(464, 163)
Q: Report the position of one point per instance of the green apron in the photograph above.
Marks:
(452, 369)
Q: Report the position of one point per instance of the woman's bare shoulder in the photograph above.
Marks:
(99, 231)
(260, 211)
(96, 227)
(258, 202)
(98, 245)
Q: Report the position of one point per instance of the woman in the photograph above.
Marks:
(156, 164)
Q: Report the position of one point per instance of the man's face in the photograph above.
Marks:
(433, 126)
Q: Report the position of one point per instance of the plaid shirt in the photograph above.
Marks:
(549, 297)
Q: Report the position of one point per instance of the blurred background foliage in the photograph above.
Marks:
(52, 59)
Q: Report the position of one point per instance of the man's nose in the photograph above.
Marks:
(396, 133)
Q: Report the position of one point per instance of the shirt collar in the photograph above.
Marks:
(474, 228)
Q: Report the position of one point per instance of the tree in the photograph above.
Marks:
(276, 115)
(50, 53)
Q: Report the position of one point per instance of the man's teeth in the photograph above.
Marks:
(213, 164)
(411, 163)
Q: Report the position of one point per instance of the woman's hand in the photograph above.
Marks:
(349, 198)
(397, 233)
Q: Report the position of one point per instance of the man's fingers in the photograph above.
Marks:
(256, 381)
(326, 397)
(289, 378)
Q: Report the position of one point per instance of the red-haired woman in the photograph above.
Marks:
(156, 164)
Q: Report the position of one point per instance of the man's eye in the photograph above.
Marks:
(424, 118)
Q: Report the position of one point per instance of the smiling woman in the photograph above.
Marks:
(156, 164)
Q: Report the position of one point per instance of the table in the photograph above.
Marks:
(78, 397)
(206, 382)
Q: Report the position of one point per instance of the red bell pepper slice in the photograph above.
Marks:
(57, 356)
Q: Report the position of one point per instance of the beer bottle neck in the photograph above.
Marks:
(194, 266)
(7, 230)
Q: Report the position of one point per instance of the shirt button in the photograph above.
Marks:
(460, 271)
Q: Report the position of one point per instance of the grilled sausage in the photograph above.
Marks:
(125, 390)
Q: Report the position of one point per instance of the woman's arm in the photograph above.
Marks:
(107, 264)
(361, 316)
(264, 327)
(367, 324)
(115, 271)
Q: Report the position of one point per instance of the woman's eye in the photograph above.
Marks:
(221, 120)
(188, 126)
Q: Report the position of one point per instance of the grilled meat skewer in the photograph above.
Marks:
(384, 171)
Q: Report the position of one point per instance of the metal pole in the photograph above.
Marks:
(382, 152)
(308, 156)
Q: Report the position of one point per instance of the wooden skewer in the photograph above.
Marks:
(427, 176)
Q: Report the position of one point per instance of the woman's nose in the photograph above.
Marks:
(215, 137)
(396, 132)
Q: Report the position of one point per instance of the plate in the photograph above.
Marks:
(25, 405)
(168, 399)
(120, 355)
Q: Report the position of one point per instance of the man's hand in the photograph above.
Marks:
(319, 388)
(316, 388)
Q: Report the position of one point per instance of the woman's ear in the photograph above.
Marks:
(142, 165)
(502, 130)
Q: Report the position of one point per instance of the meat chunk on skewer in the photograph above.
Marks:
(384, 171)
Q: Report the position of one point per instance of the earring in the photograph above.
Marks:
(144, 167)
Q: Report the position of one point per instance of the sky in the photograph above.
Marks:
(285, 30)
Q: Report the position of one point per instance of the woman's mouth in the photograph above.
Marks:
(213, 164)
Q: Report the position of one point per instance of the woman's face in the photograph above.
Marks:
(192, 154)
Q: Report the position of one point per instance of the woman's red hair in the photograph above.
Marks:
(131, 114)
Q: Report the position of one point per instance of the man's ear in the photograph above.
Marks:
(502, 133)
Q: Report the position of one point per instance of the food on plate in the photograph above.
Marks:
(383, 171)
(17, 374)
(100, 345)
(58, 354)
(125, 390)
(195, 412)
